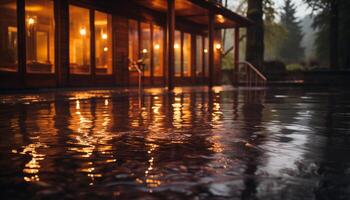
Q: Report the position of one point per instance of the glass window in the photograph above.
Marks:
(8, 36)
(145, 47)
(79, 40)
(187, 54)
(40, 36)
(103, 43)
(177, 47)
(206, 56)
(199, 56)
(158, 50)
(133, 41)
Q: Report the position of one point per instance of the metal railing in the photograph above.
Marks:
(250, 76)
(137, 65)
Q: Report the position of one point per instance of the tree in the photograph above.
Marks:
(255, 34)
(328, 9)
(291, 50)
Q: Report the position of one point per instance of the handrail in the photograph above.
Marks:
(250, 68)
(136, 65)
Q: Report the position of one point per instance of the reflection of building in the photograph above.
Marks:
(60, 43)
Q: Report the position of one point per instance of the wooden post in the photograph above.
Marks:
(236, 57)
(62, 42)
(22, 68)
(151, 55)
(93, 47)
(211, 32)
(170, 43)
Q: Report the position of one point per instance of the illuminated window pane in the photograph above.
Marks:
(187, 54)
(133, 41)
(206, 56)
(145, 47)
(40, 36)
(199, 56)
(103, 43)
(8, 36)
(158, 50)
(79, 40)
(177, 48)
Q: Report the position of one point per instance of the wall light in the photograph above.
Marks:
(205, 50)
(220, 18)
(156, 46)
(176, 46)
(31, 21)
(218, 46)
(104, 36)
(82, 31)
(144, 51)
(105, 49)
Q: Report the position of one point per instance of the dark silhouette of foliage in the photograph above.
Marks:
(291, 50)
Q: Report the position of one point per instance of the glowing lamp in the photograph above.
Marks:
(205, 50)
(105, 49)
(144, 51)
(218, 46)
(220, 18)
(104, 36)
(82, 31)
(176, 46)
(156, 46)
(31, 21)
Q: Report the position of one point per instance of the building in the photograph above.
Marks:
(72, 43)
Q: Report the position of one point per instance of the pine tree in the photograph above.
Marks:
(291, 50)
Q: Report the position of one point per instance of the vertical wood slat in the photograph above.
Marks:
(170, 43)
(211, 49)
(120, 50)
(21, 37)
(203, 59)
(193, 58)
(92, 46)
(62, 42)
(236, 57)
(151, 54)
(182, 53)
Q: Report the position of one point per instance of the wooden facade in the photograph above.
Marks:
(197, 21)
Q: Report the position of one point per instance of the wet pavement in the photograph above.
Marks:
(191, 144)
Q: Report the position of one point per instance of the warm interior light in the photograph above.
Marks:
(144, 50)
(156, 46)
(176, 46)
(31, 21)
(105, 49)
(82, 31)
(218, 46)
(205, 50)
(104, 36)
(220, 18)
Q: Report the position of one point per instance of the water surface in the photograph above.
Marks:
(190, 144)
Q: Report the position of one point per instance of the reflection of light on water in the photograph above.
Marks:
(217, 114)
(92, 136)
(151, 179)
(284, 156)
(177, 116)
(32, 168)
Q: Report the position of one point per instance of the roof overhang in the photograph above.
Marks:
(197, 11)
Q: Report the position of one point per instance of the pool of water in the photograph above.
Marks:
(190, 144)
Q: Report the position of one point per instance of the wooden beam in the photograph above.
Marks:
(170, 43)
(236, 57)
(211, 32)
